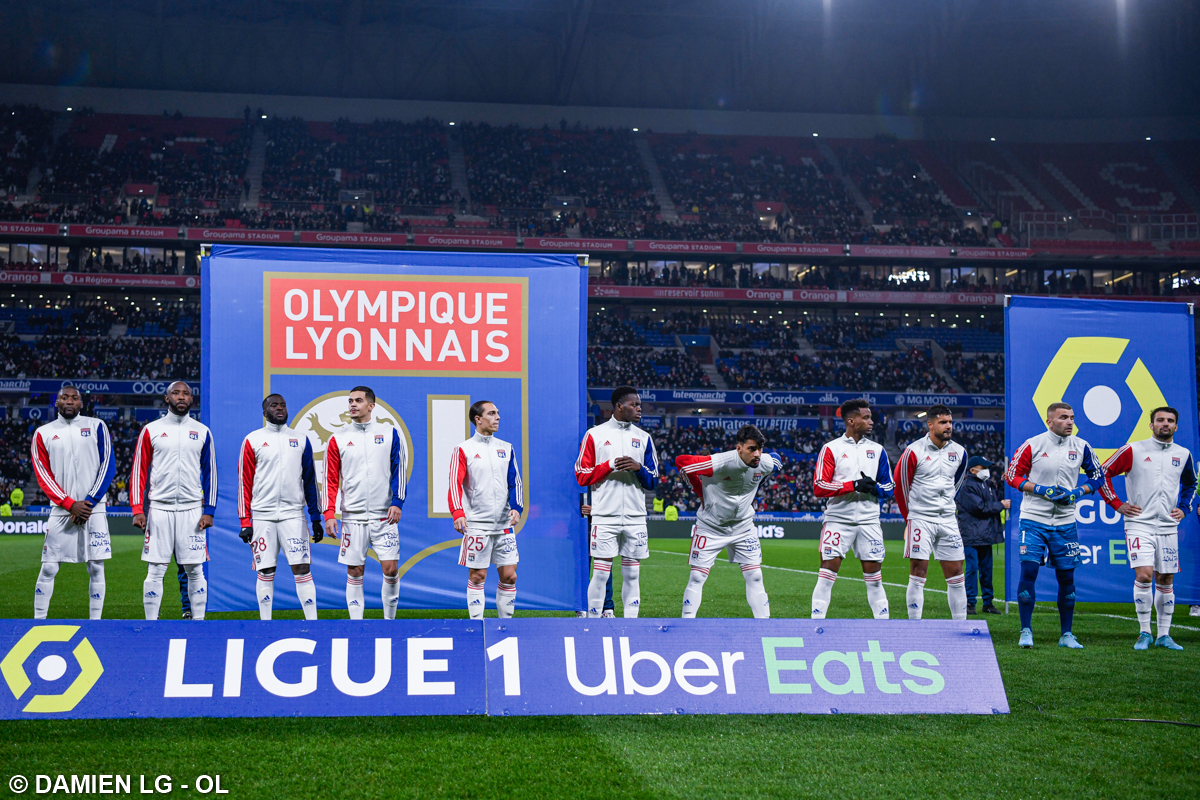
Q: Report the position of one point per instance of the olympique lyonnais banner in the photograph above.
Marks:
(807, 397)
(1114, 362)
(124, 231)
(88, 279)
(655, 246)
(430, 333)
(575, 245)
(238, 235)
(464, 240)
(523, 666)
(732, 424)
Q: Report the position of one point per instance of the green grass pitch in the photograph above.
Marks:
(1051, 745)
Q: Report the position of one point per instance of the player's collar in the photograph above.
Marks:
(622, 425)
(276, 427)
(1054, 437)
(486, 438)
(171, 416)
(361, 426)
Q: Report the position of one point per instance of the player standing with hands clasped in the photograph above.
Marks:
(727, 484)
(277, 483)
(618, 461)
(853, 472)
(173, 491)
(486, 500)
(1046, 469)
(928, 476)
(72, 458)
(366, 464)
(1160, 483)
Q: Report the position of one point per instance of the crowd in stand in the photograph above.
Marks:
(401, 163)
(24, 137)
(210, 169)
(523, 168)
(897, 187)
(127, 357)
(982, 373)
(912, 371)
(644, 366)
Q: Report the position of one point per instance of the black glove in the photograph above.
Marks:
(318, 531)
(865, 484)
(247, 534)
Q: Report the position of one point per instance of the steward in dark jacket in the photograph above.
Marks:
(979, 512)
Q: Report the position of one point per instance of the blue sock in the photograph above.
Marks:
(608, 601)
(1066, 598)
(1025, 592)
(185, 601)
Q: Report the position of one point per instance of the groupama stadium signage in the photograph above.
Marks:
(521, 666)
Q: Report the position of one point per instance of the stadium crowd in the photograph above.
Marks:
(643, 366)
(912, 371)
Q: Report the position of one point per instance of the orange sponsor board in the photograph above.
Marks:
(400, 324)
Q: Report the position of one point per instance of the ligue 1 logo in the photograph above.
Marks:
(1091, 366)
(51, 668)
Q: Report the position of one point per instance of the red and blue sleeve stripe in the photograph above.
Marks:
(516, 491)
(208, 474)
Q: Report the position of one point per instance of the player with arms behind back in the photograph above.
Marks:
(277, 484)
(1046, 469)
(617, 460)
(928, 476)
(366, 465)
(486, 500)
(173, 491)
(73, 462)
(853, 472)
(727, 484)
(1160, 483)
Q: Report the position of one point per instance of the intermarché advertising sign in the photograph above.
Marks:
(531, 666)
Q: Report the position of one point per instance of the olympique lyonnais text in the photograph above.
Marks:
(401, 324)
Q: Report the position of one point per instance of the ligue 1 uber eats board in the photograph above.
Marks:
(430, 333)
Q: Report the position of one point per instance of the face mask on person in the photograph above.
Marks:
(983, 474)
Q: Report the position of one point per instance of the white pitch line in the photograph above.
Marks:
(1134, 619)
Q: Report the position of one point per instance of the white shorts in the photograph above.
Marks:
(744, 548)
(289, 535)
(480, 549)
(941, 541)
(378, 535)
(837, 539)
(177, 533)
(1159, 549)
(627, 541)
(68, 543)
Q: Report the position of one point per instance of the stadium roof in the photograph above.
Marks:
(1026, 59)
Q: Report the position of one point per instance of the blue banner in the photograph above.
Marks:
(232, 668)
(807, 397)
(732, 424)
(430, 333)
(918, 427)
(744, 666)
(1113, 362)
(247, 668)
(89, 385)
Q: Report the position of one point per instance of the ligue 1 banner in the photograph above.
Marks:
(1113, 362)
(429, 333)
(502, 667)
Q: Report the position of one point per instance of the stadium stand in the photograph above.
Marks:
(643, 366)
(911, 371)
(24, 135)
